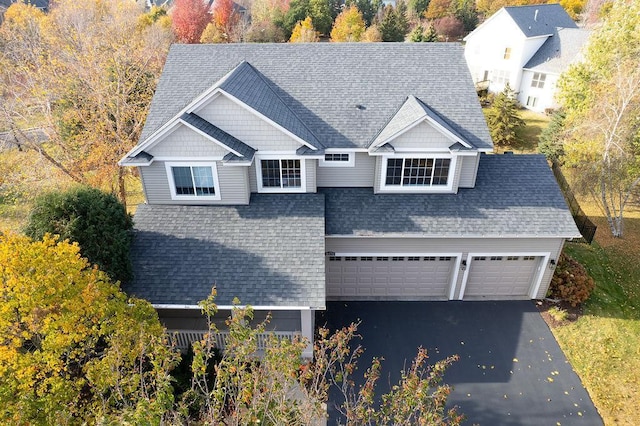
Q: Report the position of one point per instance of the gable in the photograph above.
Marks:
(422, 136)
(183, 142)
(246, 126)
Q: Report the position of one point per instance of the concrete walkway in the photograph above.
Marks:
(511, 369)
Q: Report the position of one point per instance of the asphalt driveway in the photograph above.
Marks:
(511, 369)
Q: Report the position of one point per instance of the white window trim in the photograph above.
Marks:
(303, 174)
(417, 188)
(172, 182)
(349, 163)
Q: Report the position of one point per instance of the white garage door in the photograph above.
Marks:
(388, 277)
(501, 276)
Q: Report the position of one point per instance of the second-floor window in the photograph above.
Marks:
(538, 80)
(341, 159)
(417, 171)
(507, 53)
(193, 181)
(281, 174)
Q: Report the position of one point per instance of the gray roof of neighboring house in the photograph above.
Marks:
(267, 253)
(540, 19)
(515, 195)
(343, 93)
(220, 135)
(559, 51)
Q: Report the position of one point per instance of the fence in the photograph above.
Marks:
(183, 338)
(586, 227)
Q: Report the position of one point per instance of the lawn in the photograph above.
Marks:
(528, 135)
(603, 345)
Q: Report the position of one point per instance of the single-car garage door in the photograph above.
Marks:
(388, 277)
(501, 276)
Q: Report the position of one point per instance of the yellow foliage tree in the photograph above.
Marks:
(74, 348)
(349, 26)
(84, 73)
(304, 32)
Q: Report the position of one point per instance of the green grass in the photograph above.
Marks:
(603, 345)
(528, 136)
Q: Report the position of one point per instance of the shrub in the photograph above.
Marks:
(571, 282)
(97, 221)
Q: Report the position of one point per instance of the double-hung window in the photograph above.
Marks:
(188, 181)
(538, 80)
(281, 175)
(417, 172)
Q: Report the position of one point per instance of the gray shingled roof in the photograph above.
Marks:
(249, 86)
(515, 195)
(544, 22)
(323, 83)
(220, 135)
(559, 51)
(270, 252)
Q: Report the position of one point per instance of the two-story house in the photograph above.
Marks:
(289, 175)
(527, 47)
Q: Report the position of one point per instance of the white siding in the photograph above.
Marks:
(468, 171)
(310, 170)
(545, 96)
(360, 175)
(422, 136)
(363, 246)
(185, 142)
(233, 184)
(246, 126)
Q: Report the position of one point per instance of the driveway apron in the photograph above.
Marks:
(511, 370)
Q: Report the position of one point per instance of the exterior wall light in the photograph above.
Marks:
(552, 264)
(463, 265)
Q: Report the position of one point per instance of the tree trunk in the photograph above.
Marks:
(122, 189)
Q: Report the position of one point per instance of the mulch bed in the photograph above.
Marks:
(573, 312)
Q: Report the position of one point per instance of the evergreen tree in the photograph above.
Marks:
(394, 25)
(503, 117)
(551, 138)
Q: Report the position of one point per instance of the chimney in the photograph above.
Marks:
(535, 16)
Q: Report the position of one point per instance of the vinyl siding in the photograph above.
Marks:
(422, 136)
(233, 184)
(185, 142)
(246, 126)
(192, 319)
(468, 171)
(452, 245)
(361, 175)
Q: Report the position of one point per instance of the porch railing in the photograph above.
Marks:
(183, 338)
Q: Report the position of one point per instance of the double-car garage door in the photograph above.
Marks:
(428, 277)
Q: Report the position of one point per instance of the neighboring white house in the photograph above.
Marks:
(286, 181)
(528, 47)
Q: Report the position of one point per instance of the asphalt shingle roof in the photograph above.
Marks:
(270, 252)
(220, 135)
(559, 51)
(540, 19)
(343, 93)
(515, 195)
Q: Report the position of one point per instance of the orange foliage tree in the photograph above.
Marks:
(190, 18)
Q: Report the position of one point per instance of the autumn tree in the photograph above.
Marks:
(349, 26)
(264, 32)
(225, 20)
(282, 388)
(372, 34)
(95, 220)
(304, 32)
(449, 28)
(85, 73)
(601, 98)
(394, 25)
(190, 18)
(74, 348)
(438, 9)
(368, 8)
(503, 117)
